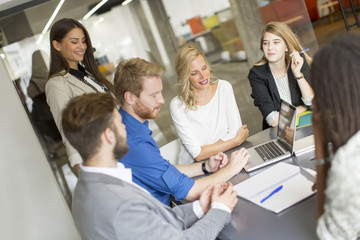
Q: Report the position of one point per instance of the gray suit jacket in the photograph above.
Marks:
(105, 207)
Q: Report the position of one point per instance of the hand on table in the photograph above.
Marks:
(242, 134)
(238, 160)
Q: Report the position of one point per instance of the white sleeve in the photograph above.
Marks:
(308, 102)
(232, 110)
(182, 123)
(271, 117)
(197, 209)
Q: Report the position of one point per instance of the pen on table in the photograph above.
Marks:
(272, 193)
(304, 50)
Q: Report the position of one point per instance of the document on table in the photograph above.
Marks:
(276, 188)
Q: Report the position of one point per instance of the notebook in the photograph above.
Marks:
(279, 148)
(291, 184)
(303, 119)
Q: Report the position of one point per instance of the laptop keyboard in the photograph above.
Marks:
(269, 151)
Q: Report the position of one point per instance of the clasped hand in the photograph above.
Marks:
(236, 163)
(220, 192)
(217, 162)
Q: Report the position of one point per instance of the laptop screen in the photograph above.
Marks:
(287, 124)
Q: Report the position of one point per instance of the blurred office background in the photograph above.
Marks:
(228, 31)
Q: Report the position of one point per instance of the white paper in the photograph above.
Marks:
(295, 187)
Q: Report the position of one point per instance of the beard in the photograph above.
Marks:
(145, 112)
(121, 148)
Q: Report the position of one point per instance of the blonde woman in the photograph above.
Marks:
(282, 73)
(205, 113)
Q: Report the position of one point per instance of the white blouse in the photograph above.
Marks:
(219, 119)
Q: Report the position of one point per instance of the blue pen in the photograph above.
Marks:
(272, 193)
(304, 50)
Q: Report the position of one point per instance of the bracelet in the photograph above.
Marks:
(298, 78)
(322, 161)
(203, 167)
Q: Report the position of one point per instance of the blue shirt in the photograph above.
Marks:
(149, 169)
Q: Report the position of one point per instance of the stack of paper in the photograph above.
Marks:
(295, 187)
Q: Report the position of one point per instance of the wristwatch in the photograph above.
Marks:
(203, 167)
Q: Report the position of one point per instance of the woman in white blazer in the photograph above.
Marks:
(73, 71)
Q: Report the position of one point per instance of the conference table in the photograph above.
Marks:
(250, 221)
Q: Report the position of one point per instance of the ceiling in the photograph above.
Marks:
(8, 4)
(38, 12)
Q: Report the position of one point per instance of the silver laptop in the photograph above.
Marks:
(277, 149)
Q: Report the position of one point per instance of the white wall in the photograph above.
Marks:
(31, 204)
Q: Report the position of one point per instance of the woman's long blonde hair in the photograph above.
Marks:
(184, 56)
(283, 31)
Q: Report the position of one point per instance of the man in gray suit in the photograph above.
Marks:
(108, 205)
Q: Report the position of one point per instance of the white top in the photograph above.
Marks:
(341, 218)
(283, 87)
(219, 119)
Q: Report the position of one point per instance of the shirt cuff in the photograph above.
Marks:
(308, 102)
(221, 206)
(197, 209)
(271, 117)
(75, 159)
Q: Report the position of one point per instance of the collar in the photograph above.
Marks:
(120, 172)
(133, 126)
(78, 73)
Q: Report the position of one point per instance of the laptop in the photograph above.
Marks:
(279, 148)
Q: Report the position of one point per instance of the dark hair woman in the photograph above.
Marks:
(335, 77)
(73, 71)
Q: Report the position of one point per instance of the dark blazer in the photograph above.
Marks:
(265, 93)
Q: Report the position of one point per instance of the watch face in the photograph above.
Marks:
(204, 168)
